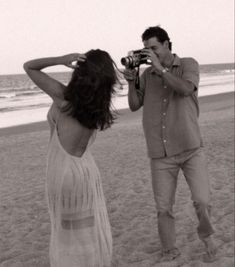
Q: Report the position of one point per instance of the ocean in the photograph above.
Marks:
(22, 102)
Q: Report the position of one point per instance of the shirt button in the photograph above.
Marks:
(164, 141)
(163, 126)
(164, 114)
(164, 100)
(165, 86)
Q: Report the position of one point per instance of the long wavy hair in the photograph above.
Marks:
(90, 90)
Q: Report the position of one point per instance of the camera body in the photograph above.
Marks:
(134, 59)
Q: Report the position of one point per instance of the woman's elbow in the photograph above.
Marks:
(134, 107)
(25, 66)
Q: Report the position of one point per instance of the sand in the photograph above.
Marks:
(120, 153)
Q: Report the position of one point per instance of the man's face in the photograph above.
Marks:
(161, 50)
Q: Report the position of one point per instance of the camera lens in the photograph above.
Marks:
(124, 61)
(127, 61)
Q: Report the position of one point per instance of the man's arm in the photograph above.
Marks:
(181, 86)
(134, 100)
(189, 81)
(184, 85)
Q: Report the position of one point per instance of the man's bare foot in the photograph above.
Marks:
(211, 250)
(169, 255)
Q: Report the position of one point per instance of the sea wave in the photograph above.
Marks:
(19, 93)
(28, 96)
(19, 89)
(227, 71)
(214, 83)
(218, 72)
(32, 106)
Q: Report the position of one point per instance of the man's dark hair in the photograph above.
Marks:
(157, 32)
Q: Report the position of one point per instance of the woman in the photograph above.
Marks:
(80, 229)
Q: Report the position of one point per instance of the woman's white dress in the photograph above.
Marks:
(80, 229)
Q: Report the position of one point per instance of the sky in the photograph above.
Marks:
(203, 29)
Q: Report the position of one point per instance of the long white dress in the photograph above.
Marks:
(80, 229)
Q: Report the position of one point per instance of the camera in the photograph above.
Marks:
(134, 59)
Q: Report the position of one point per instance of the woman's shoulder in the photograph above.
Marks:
(53, 113)
(53, 116)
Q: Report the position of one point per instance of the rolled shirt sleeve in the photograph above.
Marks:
(191, 71)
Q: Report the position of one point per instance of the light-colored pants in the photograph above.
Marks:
(164, 181)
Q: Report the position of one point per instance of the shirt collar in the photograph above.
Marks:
(176, 61)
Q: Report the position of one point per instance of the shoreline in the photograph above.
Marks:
(123, 114)
(20, 111)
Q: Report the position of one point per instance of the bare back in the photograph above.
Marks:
(73, 136)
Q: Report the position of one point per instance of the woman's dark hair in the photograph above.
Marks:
(90, 90)
(157, 32)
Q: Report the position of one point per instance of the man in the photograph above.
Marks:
(168, 93)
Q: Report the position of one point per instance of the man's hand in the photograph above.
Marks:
(130, 74)
(150, 55)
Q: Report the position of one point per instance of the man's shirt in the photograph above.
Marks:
(170, 119)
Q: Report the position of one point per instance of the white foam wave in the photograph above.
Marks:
(27, 110)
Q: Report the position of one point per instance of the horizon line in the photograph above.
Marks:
(22, 73)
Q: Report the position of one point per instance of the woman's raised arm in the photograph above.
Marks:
(50, 86)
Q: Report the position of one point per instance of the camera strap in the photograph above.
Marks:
(137, 78)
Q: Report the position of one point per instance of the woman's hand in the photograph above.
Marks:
(71, 59)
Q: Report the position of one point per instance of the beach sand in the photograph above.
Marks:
(120, 153)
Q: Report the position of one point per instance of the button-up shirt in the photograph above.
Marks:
(170, 119)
